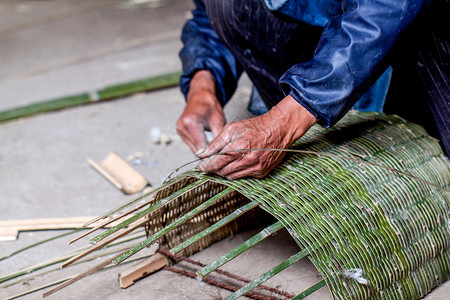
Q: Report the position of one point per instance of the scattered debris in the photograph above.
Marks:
(356, 274)
(160, 137)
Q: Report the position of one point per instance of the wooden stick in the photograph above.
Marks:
(136, 225)
(9, 229)
(105, 174)
(104, 224)
(110, 92)
(79, 276)
(142, 269)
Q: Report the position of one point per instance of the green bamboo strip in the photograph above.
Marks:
(266, 232)
(34, 268)
(78, 277)
(109, 221)
(40, 243)
(149, 210)
(173, 225)
(214, 227)
(104, 243)
(310, 290)
(58, 268)
(147, 84)
(134, 200)
(68, 278)
(39, 288)
(269, 274)
(107, 93)
(63, 258)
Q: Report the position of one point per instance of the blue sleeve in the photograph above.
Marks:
(203, 50)
(350, 56)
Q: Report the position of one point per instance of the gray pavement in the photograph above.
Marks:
(62, 47)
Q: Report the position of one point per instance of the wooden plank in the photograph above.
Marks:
(9, 229)
(142, 269)
(120, 173)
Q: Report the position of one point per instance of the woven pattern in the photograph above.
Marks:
(357, 216)
(179, 206)
(352, 215)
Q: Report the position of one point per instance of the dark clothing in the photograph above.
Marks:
(325, 69)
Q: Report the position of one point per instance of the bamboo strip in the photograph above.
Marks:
(40, 243)
(39, 288)
(215, 227)
(266, 232)
(102, 225)
(104, 243)
(150, 209)
(108, 93)
(62, 258)
(58, 259)
(269, 274)
(79, 276)
(310, 290)
(133, 201)
(174, 224)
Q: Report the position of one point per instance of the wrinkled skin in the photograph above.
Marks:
(279, 128)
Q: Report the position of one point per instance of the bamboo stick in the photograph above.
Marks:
(104, 243)
(214, 227)
(173, 225)
(133, 201)
(150, 209)
(40, 243)
(39, 288)
(266, 232)
(269, 274)
(109, 221)
(107, 93)
(79, 276)
(310, 290)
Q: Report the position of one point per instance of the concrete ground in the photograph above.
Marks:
(61, 47)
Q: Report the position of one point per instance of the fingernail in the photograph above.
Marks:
(200, 151)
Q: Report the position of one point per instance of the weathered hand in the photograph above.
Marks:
(202, 112)
(279, 128)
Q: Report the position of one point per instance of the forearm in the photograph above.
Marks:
(202, 80)
(350, 56)
(203, 50)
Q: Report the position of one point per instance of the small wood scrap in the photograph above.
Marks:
(119, 173)
(142, 269)
(10, 229)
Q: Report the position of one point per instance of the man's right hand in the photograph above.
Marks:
(203, 111)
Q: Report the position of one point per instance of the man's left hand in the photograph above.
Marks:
(284, 124)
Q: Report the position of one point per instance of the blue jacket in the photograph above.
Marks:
(349, 58)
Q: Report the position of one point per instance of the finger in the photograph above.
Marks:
(257, 169)
(253, 171)
(215, 163)
(244, 160)
(188, 140)
(216, 145)
(216, 126)
(194, 136)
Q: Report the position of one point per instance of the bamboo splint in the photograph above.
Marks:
(367, 202)
(9, 229)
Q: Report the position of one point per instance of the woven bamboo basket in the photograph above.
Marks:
(367, 202)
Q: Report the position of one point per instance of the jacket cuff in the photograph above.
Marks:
(211, 66)
(303, 101)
